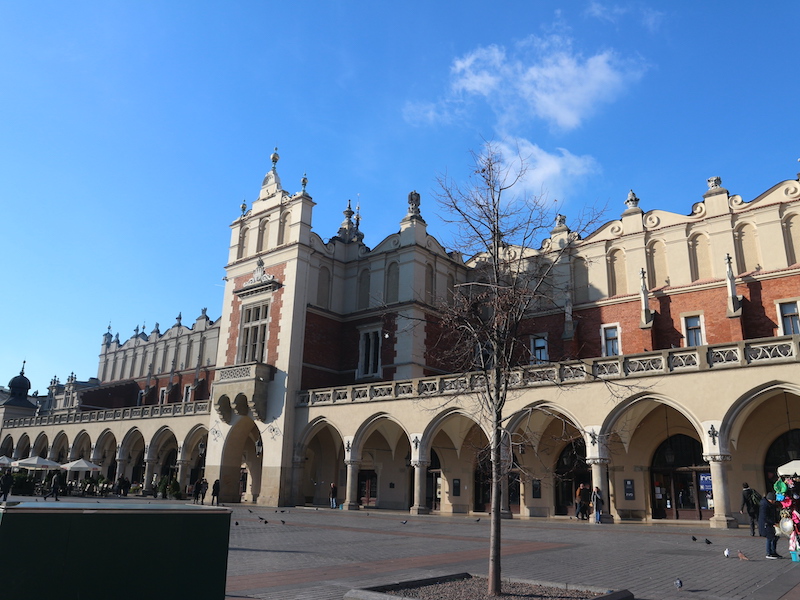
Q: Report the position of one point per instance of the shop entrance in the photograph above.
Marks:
(571, 471)
(681, 481)
(367, 488)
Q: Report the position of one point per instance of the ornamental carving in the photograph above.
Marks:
(261, 281)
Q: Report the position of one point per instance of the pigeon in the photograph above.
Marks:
(694, 539)
(708, 541)
(478, 520)
(404, 522)
(236, 523)
(283, 522)
(727, 553)
(266, 522)
(678, 584)
(283, 511)
(248, 510)
(742, 556)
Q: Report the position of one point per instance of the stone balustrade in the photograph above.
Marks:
(661, 362)
(178, 409)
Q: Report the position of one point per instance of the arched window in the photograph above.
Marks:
(392, 283)
(323, 288)
(283, 228)
(747, 249)
(657, 257)
(451, 288)
(700, 257)
(617, 278)
(363, 289)
(791, 229)
(430, 284)
(242, 249)
(580, 280)
(262, 235)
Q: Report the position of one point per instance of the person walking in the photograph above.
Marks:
(578, 501)
(585, 499)
(55, 483)
(766, 524)
(215, 492)
(203, 490)
(332, 495)
(6, 482)
(198, 489)
(597, 503)
(750, 502)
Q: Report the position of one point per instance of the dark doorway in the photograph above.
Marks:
(433, 483)
(785, 448)
(681, 480)
(367, 488)
(571, 471)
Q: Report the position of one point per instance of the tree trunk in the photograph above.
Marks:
(494, 519)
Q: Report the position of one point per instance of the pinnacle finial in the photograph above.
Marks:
(243, 207)
(22, 371)
(304, 182)
(274, 157)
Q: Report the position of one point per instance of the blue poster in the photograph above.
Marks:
(705, 482)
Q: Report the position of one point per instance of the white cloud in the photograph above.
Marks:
(480, 72)
(542, 77)
(612, 13)
(553, 175)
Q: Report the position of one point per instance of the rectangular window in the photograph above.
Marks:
(187, 393)
(611, 340)
(790, 323)
(369, 362)
(162, 395)
(693, 330)
(539, 352)
(253, 337)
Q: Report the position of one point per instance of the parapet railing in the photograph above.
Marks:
(662, 362)
(177, 409)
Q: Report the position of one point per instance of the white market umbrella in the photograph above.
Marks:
(36, 463)
(4, 461)
(81, 465)
(790, 468)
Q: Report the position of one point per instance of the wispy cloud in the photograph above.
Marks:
(650, 18)
(554, 175)
(541, 77)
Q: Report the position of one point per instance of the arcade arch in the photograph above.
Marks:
(241, 462)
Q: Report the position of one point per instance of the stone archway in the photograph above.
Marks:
(241, 463)
(322, 463)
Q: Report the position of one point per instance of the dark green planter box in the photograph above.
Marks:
(82, 551)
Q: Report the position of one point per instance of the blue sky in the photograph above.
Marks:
(132, 131)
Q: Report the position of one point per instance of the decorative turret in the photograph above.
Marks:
(348, 230)
(271, 184)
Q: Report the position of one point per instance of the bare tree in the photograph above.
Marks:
(485, 323)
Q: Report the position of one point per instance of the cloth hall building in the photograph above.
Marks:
(666, 373)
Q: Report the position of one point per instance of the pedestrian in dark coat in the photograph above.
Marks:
(766, 524)
(750, 504)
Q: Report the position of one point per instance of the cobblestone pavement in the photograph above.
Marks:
(320, 554)
(323, 553)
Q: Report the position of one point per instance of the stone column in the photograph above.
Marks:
(149, 469)
(599, 479)
(298, 468)
(351, 499)
(722, 518)
(420, 482)
(505, 507)
(182, 474)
